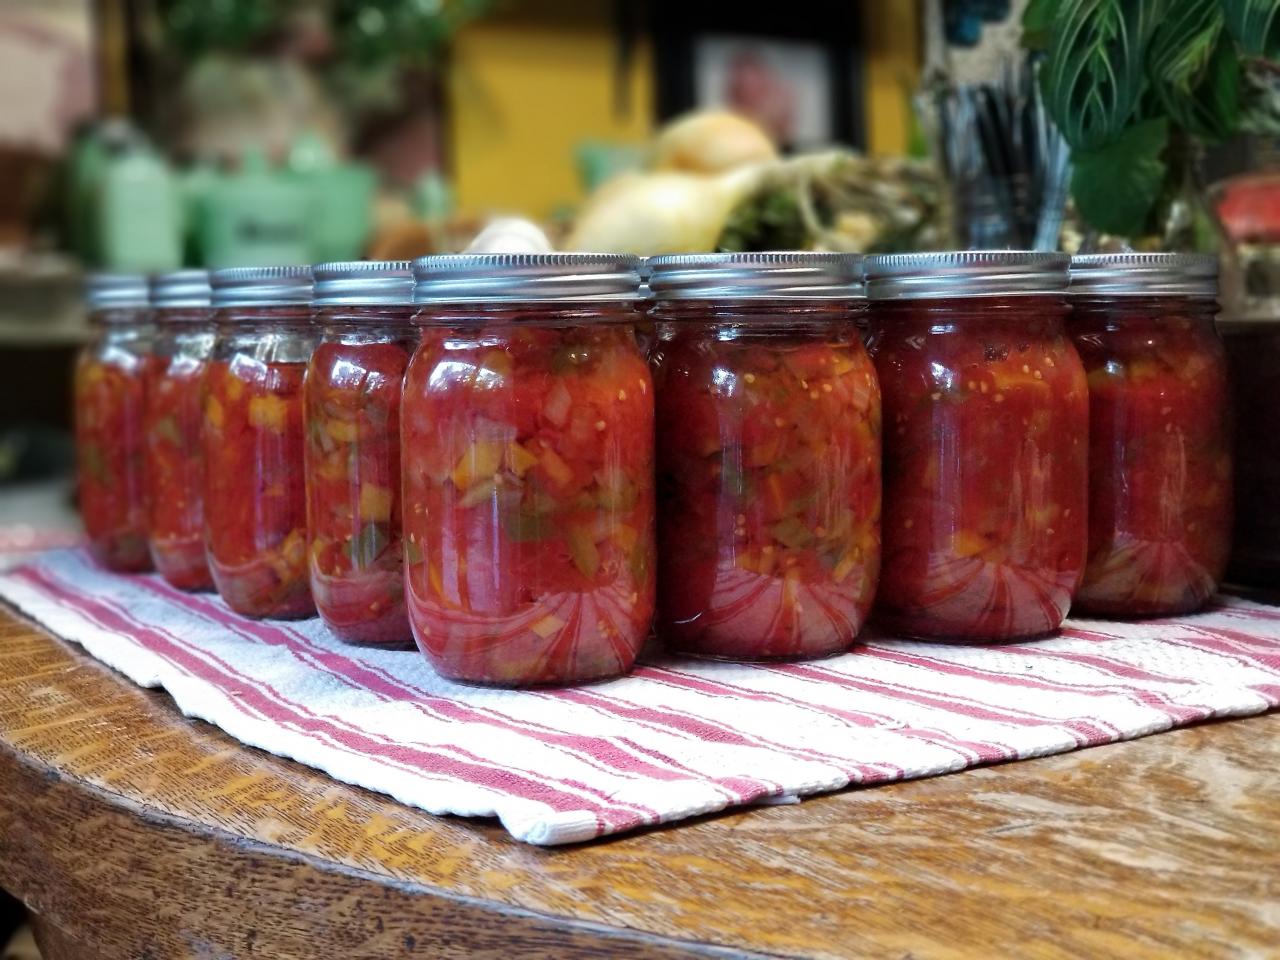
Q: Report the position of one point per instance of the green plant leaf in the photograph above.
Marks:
(1255, 26)
(1193, 69)
(1037, 20)
(1116, 186)
(1094, 74)
(1260, 99)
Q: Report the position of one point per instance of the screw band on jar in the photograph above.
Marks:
(353, 400)
(110, 387)
(1160, 465)
(986, 417)
(1144, 275)
(769, 465)
(174, 457)
(254, 439)
(527, 460)
(526, 278)
(786, 275)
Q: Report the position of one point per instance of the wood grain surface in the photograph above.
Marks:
(136, 833)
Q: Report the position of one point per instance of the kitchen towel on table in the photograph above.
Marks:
(679, 737)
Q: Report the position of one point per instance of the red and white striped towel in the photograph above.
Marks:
(677, 738)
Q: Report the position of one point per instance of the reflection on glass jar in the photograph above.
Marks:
(175, 461)
(985, 444)
(111, 380)
(1159, 432)
(353, 395)
(768, 414)
(255, 503)
(527, 438)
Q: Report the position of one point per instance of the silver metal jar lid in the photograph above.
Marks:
(965, 273)
(786, 275)
(1144, 274)
(261, 286)
(181, 289)
(116, 291)
(363, 283)
(522, 277)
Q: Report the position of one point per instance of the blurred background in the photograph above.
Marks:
(152, 134)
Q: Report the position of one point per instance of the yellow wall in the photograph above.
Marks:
(891, 37)
(527, 88)
(529, 85)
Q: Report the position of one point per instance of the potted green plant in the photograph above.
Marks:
(1138, 88)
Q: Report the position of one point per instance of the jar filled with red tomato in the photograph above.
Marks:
(768, 418)
(111, 381)
(1253, 351)
(986, 418)
(255, 510)
(1159, 431)
(174, 459)
(527, 452)
(353, 395)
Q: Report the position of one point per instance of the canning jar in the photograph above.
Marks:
(353, 394)
(768, 420)
(111, 380)
(986, 416)
(174, 459)
(1253, 352)
(527, 450)
(255, 508)
(1159, 432)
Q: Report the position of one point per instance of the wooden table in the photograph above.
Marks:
(132, 832)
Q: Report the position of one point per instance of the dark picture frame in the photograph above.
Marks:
(678, 28)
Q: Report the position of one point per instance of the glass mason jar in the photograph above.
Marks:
(255, 508)
(353, 395)
(174, 459)
(527, 442)
(1159, 432)
(768, 418)
(1253, 352)
(986, 414)
(112, 376)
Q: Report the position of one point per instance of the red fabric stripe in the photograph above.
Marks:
(1147, 698)
(593, 751)
(246, 693)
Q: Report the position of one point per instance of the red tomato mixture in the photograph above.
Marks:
(528, 489)
(1159, 455)
(255, 503)
(353, 489)
(1253, 348)
(986, 416)
(110, 400)
(175, 471)
(769, 478)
